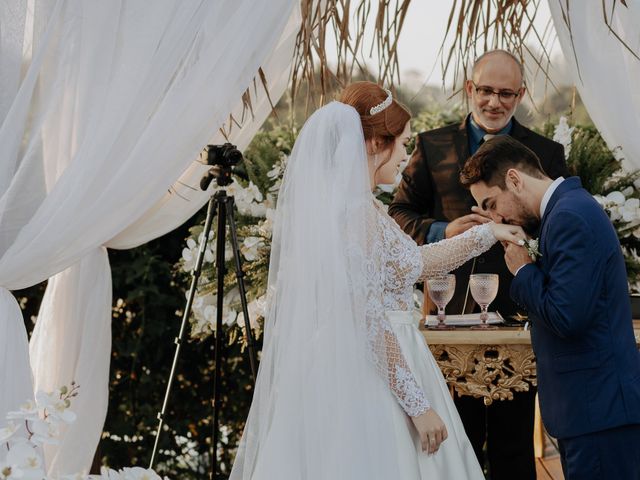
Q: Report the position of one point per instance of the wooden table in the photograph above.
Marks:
(490, 364)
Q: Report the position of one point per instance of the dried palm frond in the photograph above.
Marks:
(475, 26)
(247, 105)
(348, 25)
(356, 30)
(606, 15)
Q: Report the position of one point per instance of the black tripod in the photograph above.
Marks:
(222, 205)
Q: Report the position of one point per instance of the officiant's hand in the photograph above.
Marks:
(508, 233)
(432, 430)
(515, 257)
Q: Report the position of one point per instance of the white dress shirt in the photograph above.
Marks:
(543, 204)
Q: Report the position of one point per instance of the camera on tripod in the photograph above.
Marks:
(222, 159)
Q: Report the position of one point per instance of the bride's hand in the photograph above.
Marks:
(432, 430)
(508, 233)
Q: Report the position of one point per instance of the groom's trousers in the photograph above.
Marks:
(606, 455)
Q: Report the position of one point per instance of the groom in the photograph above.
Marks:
(576, 294)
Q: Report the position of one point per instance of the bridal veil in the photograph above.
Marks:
(313, 415)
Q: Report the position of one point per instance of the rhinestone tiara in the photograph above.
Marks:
(381, 106)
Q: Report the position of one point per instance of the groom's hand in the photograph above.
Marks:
(515, 257)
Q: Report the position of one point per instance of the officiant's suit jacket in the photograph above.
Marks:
(431, 191)
(581, 329)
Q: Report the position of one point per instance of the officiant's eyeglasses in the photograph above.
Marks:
(485, 93)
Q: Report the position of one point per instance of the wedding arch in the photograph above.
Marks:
(105, 105)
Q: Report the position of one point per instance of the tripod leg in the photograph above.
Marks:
(243, 294)
(211, 211)
(220, 271)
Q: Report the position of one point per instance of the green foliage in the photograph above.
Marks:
(149, 296)
(591, 160)
(601, 173)
(268, 147)
(436, 118)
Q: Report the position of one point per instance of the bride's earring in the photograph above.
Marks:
(375, 160)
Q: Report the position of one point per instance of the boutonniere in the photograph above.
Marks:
(531, 246)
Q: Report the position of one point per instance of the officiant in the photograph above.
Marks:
(431, 205)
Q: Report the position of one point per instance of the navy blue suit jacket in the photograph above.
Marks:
(581, 329)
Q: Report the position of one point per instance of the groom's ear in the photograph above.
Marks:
(513, 180)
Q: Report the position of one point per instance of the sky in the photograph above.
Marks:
(422, 36)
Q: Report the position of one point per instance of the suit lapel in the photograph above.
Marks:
(518, 131)
(461, 142)
(569, 184)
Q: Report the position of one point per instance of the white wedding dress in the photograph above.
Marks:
(401, 263)
(343, 364)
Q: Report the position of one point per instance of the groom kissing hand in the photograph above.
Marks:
(431, 205)
(576, 295)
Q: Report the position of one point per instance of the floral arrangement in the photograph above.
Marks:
(253, 248)
(615, 189)
(38, 423)
(265, 161)
(532, 247)
(587, 155)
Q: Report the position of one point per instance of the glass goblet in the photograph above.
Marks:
(484, 288)
(441, 290)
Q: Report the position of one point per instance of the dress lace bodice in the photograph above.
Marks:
(395, 264)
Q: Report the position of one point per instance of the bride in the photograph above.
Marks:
(347, 388)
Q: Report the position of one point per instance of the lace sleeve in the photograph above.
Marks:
(384, 347)
(446, 255)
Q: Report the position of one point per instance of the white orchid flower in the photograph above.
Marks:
(56, 407)
(250, 247)
(614, 212)
(616, 198)
(28, 411)
(27, 458)
(210, 314)
(44, 432)
(189, 260)
(253, 192)
(138, 473)
(10, 472)
(231, 297)
(229, 317)
(256, 309)
(563, 134)
(7, 432)
(258, 210)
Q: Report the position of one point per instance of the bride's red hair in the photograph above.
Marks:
(385, 125)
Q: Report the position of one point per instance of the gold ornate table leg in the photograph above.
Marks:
(493, 372)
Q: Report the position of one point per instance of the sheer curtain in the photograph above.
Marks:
(104, 106)
(606, 72)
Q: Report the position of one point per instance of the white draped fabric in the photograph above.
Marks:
(103, 107)
(605, 72)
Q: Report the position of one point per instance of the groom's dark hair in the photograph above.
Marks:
(495, 157)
